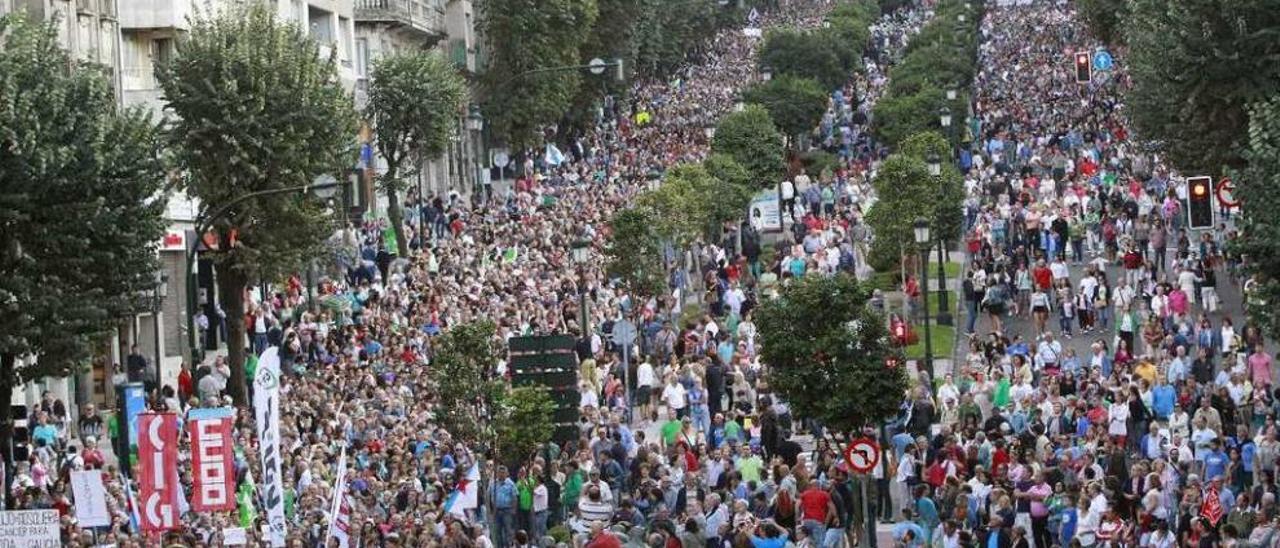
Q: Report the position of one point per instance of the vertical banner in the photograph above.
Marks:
(339, 510)
(135, 402)
(158, 471)
(266, 411)
(212, 465)
(90, 498)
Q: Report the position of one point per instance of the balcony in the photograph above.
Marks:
(155, 14)
(423, 19)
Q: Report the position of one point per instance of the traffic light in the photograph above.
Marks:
(1200, 203)
(1084, 69)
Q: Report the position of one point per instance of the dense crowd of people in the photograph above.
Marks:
(709, 455)
(1160, 431)
(1024, 443)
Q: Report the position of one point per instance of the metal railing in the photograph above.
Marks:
(423, 14)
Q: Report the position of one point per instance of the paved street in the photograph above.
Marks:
(1229, 297)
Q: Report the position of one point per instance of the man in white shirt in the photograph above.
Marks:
(674, 396)
(646, 381)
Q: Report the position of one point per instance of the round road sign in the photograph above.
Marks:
(1226, 191)
(862, 455)
(596, 66)
(624, 333)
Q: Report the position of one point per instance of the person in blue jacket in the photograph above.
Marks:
(1163, 397)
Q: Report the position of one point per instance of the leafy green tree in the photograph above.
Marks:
(890, 6)
(258, 110)
(795, 105)
(750, 138)
(1196, 65)
(906, 191)
(526, 41)
(948, 189)
(864, 11)
(804, 55)
(895, 117)
(1258, 189)
(669, 30)
(677, 205)
(80, 208)
(466, 388)
(1104, 18)
(821, 338)
(414, 101)
(523, 422)
(728, 170)
(634, 253)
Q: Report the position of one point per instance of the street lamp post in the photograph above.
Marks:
(581, 254)
(766, 73)
(158, 295)
(475, 125)
(944, 312)
(921, 229)
(323, 187)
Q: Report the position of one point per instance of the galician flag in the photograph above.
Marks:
(466, 495)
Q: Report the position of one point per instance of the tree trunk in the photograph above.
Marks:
(7, 378)
(231, 287)
(397, 220)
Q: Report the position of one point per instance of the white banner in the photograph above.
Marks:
(266, 411)
(90, 498)
(234, 536)
(339, 515)
(30, 529)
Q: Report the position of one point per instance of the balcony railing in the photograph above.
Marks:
(426, 16)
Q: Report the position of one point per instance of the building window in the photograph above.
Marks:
(321, 24)
(344, 30)
(161, 51)
(362, 58)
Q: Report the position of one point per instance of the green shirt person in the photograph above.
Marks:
(524, 489)
(671, 431)
(572, 488)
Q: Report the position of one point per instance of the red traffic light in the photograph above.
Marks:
(1084, 67)
(1200, 190)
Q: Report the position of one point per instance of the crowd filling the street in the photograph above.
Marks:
(1105, 385)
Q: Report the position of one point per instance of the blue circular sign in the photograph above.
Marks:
(1102, 60)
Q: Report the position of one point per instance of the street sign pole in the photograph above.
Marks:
(868, 521)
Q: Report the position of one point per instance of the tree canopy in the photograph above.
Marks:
(820, 338)
(750, 138)
(415, 99)
(634, 253)
(80, 208)
(522, 421)
(466, 389)
(258, 110)
(947, 193)
(1104, 17)
(523, 40)
(1258, 189)
(906, 191)
(1196, 66)
(941, 57)
(795, 105)
(804, 55)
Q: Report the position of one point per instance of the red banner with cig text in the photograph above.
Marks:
(158, 471)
